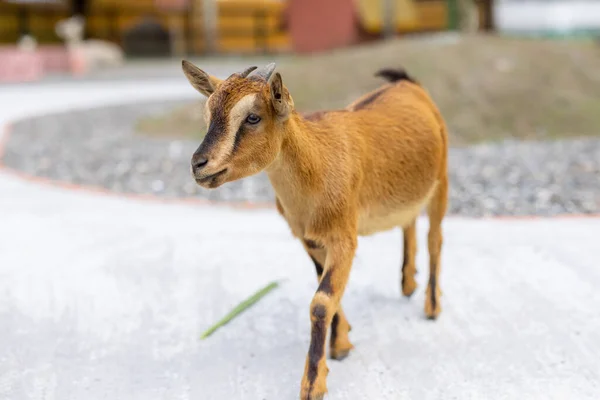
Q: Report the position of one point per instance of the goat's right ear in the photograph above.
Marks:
(199, 79)
(280, 96)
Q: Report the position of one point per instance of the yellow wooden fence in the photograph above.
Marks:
(242, 26)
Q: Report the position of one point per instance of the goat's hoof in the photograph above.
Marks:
(408, 290)
(432, 304)
(432, 312)
(339, 355)
(315, 389)
(314, 394)
(340, 349)
(409, 285)
(320, 396)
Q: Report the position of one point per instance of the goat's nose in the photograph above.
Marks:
(199, 162)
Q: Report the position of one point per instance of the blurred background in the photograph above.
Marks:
(517, 81)
(105, 297)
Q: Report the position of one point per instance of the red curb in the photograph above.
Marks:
(95, 190)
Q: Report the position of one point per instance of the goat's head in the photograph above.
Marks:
(246, 116)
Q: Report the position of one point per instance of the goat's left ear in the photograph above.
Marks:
(280, 97)
(200, 80)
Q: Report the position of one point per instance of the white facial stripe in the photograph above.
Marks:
(207, 114)
(237, 115)
(240, 111)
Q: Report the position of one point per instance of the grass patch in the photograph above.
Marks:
(243, 306)
(487, 87)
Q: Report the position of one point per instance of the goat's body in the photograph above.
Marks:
(388, 155)
(403, 157)
(380, 218)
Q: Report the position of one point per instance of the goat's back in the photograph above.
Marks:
(400, 145)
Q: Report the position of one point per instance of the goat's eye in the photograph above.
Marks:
(253, 119)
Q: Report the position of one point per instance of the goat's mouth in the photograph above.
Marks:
(211, 181)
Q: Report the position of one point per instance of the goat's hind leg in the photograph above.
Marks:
(409, 268)
(436, 211)
(339, 342)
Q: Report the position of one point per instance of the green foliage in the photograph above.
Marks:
(243, 306)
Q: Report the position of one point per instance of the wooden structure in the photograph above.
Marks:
(417, 15)
(242, 26)
(317, 25)
(332, 26)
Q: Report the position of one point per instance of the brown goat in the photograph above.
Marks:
(337, 175)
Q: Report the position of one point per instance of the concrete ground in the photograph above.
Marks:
(105, 297)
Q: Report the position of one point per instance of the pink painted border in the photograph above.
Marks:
(38, 63)
(7, 129)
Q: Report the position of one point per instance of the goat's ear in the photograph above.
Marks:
(200, 80)
(280, 97)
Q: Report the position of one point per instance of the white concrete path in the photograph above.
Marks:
(105, 298)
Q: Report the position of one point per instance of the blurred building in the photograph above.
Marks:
(170, 27)
(548, 17)
(242, 25)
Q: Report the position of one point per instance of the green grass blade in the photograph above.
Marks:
(243, 306)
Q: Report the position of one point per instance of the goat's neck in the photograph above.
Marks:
(294, 173)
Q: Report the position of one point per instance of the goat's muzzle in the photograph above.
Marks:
(198, 163)
(205, 176)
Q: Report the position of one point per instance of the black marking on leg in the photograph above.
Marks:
(405, 260)
(405, 253)
(325, 285)
(319, 312)
(334, 329)
(432, 289)
(318, 267)
(317, 341)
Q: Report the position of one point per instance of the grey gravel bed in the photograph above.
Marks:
(99, 147)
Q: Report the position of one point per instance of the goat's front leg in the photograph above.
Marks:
(339, 341)
(325, 304)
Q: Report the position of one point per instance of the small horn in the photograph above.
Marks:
(266, 71)
(247, 71)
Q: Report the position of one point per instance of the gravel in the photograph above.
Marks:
(98, 147)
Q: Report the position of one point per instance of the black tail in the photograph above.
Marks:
(395, 75)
